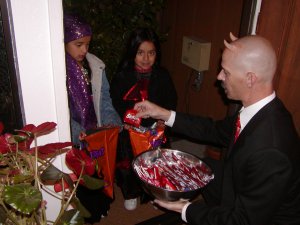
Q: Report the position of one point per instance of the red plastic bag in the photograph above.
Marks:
(142, 141)
(102, 146)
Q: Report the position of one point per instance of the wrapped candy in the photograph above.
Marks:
(173, 172)
(131, 119)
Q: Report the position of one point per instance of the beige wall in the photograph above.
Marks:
(209, 20)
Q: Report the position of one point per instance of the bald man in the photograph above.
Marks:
(258, 182)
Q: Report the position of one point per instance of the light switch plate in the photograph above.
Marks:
(195, 53)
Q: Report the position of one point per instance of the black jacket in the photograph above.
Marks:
(161, 91)
(261, 174)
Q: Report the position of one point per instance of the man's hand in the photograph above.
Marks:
(148, 109)
(176, 206)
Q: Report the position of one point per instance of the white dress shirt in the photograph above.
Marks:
(247, 113)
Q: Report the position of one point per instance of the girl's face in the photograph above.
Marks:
(79, 48)
(146, 55)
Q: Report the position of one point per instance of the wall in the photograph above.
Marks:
(209, 20)
(40, 53)
(38, 32)
(279, 21)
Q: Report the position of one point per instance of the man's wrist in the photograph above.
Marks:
(170, 121)
(183, 212)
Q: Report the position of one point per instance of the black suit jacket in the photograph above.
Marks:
(261, 173)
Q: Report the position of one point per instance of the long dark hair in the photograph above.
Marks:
(137, 37)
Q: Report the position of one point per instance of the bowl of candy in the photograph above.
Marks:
(170, 175)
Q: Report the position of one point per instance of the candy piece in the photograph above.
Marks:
(173, 172)
(130, 118)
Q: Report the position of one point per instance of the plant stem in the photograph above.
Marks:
(37, 180)
(36, 165)
(64, 206)
(8, 214)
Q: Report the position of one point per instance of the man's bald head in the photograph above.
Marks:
(248, 67)
(254, 54)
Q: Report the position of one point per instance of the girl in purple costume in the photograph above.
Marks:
(89, 101)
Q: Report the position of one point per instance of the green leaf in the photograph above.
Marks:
(71, 217)
(22, 178)
(51, 173)
(17, 139)
(3, 215)
(69, 181)
(6, 170)
(83, 211)
(93, 183)
(22, 197)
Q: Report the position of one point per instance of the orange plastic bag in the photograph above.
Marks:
(102, 146)
(143, 141)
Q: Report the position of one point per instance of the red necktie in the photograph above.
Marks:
(237, 128)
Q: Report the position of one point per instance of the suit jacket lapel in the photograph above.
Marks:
(251, 126)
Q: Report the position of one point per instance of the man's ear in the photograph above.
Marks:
(250, 79)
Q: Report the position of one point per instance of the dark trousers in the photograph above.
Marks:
(125, 177)
(95, 201)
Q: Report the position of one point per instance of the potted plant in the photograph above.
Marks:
(25, 171)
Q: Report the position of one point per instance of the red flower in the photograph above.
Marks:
(58, 185)
(50, 150)
(25, 137)
(40, 129)
(76, 158)
(5, 145)
(43, 128)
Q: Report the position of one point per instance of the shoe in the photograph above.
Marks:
(104, 215)
(130, 204)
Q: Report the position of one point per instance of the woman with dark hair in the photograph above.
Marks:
(135, 40)
(139, 77)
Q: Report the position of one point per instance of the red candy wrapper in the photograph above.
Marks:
(131, 119)
(173, 172)
(143, 139)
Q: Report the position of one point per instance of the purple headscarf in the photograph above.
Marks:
(75, 28)
(80, 96)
